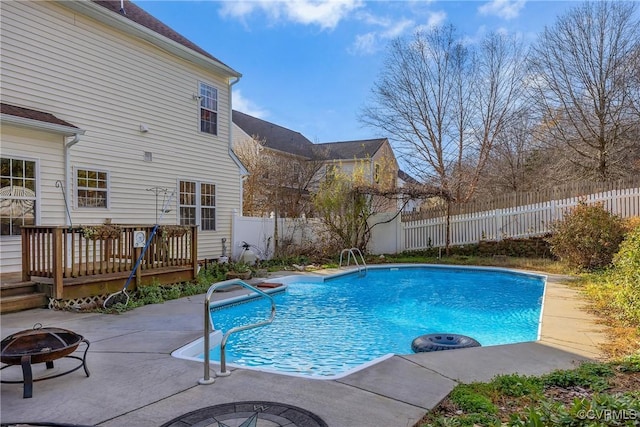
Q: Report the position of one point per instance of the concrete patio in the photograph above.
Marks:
(135, 382)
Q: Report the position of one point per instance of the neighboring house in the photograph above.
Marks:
(102, 110)
(373, 159)
(411, 205)
(281, 164)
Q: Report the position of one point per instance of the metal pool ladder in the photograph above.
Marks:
(362, 269)
(208, 326)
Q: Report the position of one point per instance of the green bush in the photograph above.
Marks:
(588, 375)
(515, 385)
(587, 237)
(616, 292)
(469, 399)
(599, 410)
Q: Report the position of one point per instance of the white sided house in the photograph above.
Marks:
(105, 113)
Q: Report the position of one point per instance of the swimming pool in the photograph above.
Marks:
(326, 327)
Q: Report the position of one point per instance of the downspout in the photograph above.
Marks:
(231, 153)
(67, 173)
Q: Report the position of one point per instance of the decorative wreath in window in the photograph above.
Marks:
(101, 232)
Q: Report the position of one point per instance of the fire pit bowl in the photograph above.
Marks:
(40, 345)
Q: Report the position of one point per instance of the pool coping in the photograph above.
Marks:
(135, 381)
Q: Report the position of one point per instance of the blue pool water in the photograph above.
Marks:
(325, 328)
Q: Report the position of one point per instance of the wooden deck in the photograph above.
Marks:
(67, 263)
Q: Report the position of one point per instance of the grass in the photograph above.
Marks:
(590, 395)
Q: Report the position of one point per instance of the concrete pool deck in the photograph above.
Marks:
(136, 382)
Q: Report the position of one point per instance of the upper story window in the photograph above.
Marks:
(376, 173)
(208, 109)
(92, 188)
(17, 195)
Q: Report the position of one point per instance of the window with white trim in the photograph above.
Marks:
(92, 188)
(17, 195)
(198, 204)
(208, 109)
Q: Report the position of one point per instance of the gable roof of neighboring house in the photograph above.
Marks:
(406, 177)
(274, 136)
(36, 119)
(286, 140)
(136, 21)
(349, 150)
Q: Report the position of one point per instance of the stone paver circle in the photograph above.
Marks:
(248, 414)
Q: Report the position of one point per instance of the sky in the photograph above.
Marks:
(310, 65)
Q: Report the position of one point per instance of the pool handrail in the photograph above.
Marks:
(352, 252)
(208, 326)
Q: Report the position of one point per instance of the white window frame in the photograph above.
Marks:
(77, 188)
(198, 206)
(208, 97)
(36, 199)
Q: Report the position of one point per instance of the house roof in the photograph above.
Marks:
(274, 136)
(288, 141)
(406, 177)
(27, 113)
(348, 150)
(26, 117)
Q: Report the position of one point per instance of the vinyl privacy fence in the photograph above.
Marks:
(515, 222)
(392, 234)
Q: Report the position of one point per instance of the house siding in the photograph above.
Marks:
(109, 83)
(46, 150)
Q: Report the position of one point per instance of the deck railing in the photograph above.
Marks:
(59, 252)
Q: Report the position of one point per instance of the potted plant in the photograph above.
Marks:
(102, 231)
(239, 270)
(167, 231)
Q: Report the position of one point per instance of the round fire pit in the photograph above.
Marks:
(40, 345)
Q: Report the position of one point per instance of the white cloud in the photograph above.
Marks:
(374, 41)
(365, 44)
(436, 19)
(396, 29)
(247, 106)
(506, 9)
(326, 14)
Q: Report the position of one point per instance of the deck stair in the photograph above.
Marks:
(19, 295)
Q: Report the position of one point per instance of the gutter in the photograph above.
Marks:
(67, 174)
(243, 170)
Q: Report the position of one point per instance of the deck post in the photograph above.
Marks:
(194, 250)
(137, 252)
(58, 268)
(26, 254)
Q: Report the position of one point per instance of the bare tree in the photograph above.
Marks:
(586, 86)
(444, 104)
(277, 183)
